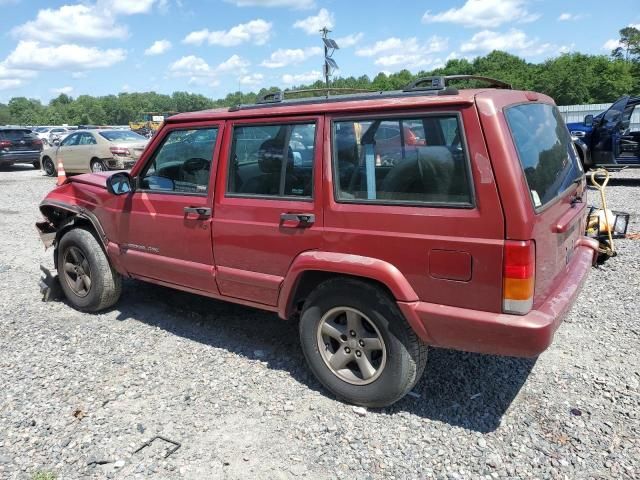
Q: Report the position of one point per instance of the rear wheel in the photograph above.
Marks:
(358, 344)
(86, 277)
(48, 167)
(97, 166)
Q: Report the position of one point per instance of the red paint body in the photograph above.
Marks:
(444, 266)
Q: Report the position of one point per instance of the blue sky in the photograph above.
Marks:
(212, 47)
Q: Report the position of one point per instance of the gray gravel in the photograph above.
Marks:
(80, 392)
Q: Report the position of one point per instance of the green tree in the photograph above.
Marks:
(629, 48)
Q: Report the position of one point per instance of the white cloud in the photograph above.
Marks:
(252, 79)
(70, 22)
(158, 47)
(409, 52)
(190, 66)
(486, 41)
(484, 13)
(128, 7)
(283, 57)
(307, 77)
(8, 73)
(125, 88)
(233, 63)
(611, 44)
(349, 40)
(6, 84)
(31, 55)
(313, 24)
(62, 90)
(79, 75)
(567, 17)
(295, 4)
(256, 31)
(635, 25)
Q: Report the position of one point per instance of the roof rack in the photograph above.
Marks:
(439, 82)
(280, 95)
(436, 85)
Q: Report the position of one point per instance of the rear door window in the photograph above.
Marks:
(545, 150)
(411, 160)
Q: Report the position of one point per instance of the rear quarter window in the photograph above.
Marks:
(545, 150)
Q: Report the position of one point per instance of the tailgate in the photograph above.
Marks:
(555, 182)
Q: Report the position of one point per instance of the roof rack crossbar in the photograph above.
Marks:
(440, 82)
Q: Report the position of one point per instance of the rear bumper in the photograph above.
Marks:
(27, 156)
(124, 163)
(498, 333)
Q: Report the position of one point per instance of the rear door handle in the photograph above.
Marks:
(299, 219)
(200, 211)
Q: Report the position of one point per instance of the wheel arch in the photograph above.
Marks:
(61, 217)
(310, 269)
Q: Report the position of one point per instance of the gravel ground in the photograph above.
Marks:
(81, 392)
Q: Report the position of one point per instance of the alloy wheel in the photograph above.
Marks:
(77, 272)
(351, 345)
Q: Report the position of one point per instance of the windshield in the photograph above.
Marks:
(545, 149)
(122, 136)
(41, 129)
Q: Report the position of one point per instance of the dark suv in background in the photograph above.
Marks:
(19, 145)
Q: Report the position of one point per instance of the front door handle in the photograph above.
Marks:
(200, 211)
(297, 219)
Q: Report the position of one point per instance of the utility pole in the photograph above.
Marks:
(329, 63)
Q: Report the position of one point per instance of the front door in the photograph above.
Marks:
(606, 134)
(165, 226)
(268, 204)
(69, 153)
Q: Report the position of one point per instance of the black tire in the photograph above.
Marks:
(97, 165)
(406, 354)
(49, 167)
(105, 283)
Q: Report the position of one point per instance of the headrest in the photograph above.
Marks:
(270, 156)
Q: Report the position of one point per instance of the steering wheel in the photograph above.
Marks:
(195, 164)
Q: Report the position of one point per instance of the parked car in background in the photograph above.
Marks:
(94, 151)
(469, 235)
(608, 139)
(19, 145)
(49, 134)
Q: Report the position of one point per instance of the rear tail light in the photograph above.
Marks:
(5, 143)
(37, 143)
(121, 151)
(519, 276)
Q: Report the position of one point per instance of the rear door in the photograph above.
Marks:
(268, 206)
(541, 181)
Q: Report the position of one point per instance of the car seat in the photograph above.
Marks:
(270, 164)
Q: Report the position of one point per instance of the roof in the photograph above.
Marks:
(337, 104)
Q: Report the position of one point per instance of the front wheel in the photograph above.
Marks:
(87, 279)
(358, 344)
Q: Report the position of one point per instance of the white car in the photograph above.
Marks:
(48, 134)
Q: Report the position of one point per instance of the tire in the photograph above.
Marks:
(105, 284)
(398, 363)
(48, 167)
(97, 166)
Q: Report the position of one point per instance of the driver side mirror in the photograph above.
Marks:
(588, 120)
(120, 183)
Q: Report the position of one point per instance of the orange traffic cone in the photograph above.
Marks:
(62, 176)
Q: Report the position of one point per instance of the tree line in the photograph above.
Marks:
(572, 78)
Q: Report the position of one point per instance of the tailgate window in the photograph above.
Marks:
(14, 135)
(545, 150)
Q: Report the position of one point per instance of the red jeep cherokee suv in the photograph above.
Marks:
(384, 221)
